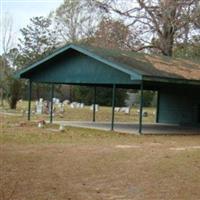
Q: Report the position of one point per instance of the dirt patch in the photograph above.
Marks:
(127, 146)
(184, 148)
(81, 164)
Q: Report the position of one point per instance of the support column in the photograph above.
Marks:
(29, 100)
(113, 106)
(141, 107)
(157, 106)
(94, 103)
(52, 96)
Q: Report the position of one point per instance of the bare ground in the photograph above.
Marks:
(82, 164)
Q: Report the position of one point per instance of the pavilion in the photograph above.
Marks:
(177, 81)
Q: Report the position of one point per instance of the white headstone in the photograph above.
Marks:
(96, 107)
(82, 105)
(117, 109)
(127, 110)
(66, 102)
(73, 105)
(39, 106)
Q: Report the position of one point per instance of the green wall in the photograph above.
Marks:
(179, 105)
(76, 68)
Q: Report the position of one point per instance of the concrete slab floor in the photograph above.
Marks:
(124, 127)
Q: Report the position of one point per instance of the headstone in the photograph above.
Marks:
(56, 100)
(49, 107)
(73, 105)
(39, 106)
(61, 128)
(127, 110)
(62, 110)
(117, 109)
(66, 102)
(77, 105)
(41, 100)
(82, 105)
(96, 107)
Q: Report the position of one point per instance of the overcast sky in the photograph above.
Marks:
(22, 10)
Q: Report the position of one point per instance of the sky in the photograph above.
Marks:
(22, 10)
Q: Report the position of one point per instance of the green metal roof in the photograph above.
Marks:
(147, 66)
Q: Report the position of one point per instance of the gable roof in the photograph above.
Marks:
(133, 63)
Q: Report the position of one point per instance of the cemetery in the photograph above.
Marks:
(100, 100)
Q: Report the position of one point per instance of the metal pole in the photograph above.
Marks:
(52, 95)
(29, 100)
(141, 107)
(158, 106)
(113, 106)
(94, 104)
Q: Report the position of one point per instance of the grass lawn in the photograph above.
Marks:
(84, 164)
(85, 114)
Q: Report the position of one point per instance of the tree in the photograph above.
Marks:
(189, 50)
(111, 34)
(7, 44)
(37, 40)
(148, 98)
(75, 20)
(3, 72)
(158, 23)
(13, 87)
(104, 95)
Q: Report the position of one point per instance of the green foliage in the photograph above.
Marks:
(104, 95)
(3, 72)
(10, 87)
(14, 92)
(149, 98)
(190, 50)
(37, 40)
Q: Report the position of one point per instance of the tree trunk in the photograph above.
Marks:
(168, 28)
(167, 46)
(13, 103)
(1, 96)
(15, 93)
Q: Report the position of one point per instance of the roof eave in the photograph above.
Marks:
(170, 80)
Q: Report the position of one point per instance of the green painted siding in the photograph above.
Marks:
(77, 68)
(179, 105)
